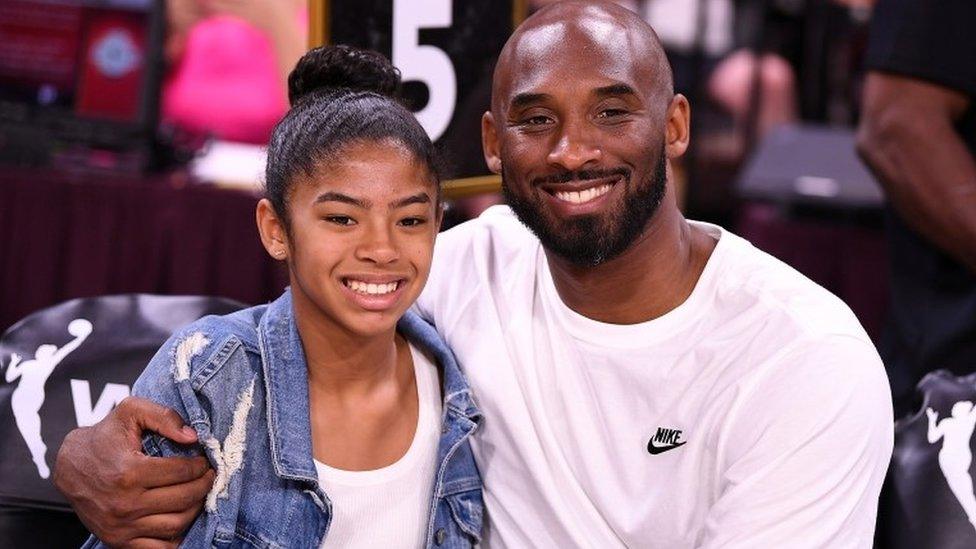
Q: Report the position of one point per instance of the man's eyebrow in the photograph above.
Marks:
(615, 90)
(525, 99)
(419, 198)
(332, 196)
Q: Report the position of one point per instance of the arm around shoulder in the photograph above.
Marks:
(121, 494)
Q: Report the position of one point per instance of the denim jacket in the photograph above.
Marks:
(241, 381)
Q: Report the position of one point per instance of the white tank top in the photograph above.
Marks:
(389, 507)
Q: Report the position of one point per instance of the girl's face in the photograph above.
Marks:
(361, 239)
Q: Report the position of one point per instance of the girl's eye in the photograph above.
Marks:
(343, 220)
(413, 221)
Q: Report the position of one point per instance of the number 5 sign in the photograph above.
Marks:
(445, 50)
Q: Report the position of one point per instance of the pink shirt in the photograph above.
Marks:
(227, 82)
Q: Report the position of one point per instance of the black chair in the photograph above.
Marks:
(929, 499)
(64, 367)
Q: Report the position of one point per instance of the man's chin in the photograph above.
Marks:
(579, 241)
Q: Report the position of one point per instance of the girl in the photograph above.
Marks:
(333, 417)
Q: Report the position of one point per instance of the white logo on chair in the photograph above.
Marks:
(28, 397)
(955, 457)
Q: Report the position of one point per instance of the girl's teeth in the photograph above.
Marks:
(370, 288)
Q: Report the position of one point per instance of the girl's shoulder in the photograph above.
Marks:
(201, 350)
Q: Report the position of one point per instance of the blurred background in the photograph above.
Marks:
(132, 134)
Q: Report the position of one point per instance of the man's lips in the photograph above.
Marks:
(581, 193)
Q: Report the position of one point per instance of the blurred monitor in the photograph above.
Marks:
(78, 73)
(811, 166)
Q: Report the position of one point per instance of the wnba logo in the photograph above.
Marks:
(31, 375)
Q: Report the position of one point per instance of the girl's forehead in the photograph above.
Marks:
(371, 170)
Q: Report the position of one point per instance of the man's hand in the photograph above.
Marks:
(123, 496)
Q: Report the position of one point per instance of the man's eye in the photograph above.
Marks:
(611, 113)
(413, 221)
(536, 120)
(340, 220)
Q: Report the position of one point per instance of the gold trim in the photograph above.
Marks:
(318, 23)
(472, 186)
(520, 10)
(319, 13)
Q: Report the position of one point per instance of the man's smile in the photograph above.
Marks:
(580, 197)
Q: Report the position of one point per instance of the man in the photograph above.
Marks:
(918, 134)
(645, 380)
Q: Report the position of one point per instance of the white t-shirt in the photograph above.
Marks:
(389, 507)
(769, 406)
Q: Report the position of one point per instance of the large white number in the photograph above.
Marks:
(427, 64)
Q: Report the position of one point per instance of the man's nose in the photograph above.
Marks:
(575, 148)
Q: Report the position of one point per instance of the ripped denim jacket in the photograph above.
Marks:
(241, 381)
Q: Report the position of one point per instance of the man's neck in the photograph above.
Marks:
(652, 277)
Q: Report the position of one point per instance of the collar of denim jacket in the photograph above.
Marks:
(286, 375)
(457, 391)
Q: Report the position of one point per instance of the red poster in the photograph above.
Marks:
(38, 45)
(113, 65)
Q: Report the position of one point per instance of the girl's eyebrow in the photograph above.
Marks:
(419, 198)
(332, 196)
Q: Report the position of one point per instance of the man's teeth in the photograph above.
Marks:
(580, 197)
(370, 288)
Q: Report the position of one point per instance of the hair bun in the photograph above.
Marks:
(342, 67)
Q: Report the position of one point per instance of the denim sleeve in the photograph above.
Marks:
(161, 383)
(158, 383)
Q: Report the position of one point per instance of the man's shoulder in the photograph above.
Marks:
(496, 228)
(792, 334)
(779, 297)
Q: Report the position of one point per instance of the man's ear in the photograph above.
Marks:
(678, 127)
(489, 143)
(274, 236)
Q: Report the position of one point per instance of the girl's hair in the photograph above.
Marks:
(339, 95)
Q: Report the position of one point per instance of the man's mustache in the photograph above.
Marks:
(582, 175)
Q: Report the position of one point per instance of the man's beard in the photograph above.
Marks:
(590, 240)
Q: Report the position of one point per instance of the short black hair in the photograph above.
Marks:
(340, 96)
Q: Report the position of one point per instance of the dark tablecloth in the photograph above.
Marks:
(66, 235)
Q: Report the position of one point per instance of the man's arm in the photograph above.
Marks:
(123, 496)
(908, 139)
(803, 453)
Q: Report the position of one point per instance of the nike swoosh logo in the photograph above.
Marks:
(655, 450)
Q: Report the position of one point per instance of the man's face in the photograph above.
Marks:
(579, 131)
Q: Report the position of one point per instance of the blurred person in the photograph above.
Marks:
(645, 380)
(704, 32)
(228, 65)
(918, 135)
(744, 44)
(331, 415)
